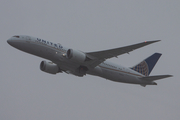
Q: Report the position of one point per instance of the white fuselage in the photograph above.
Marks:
(55, 53)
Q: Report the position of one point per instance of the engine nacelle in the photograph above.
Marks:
(49, 67)
(76, 55)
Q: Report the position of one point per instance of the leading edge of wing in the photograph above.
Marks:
(100, 56)
(105, 54)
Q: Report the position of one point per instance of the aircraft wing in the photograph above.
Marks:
(100, 56)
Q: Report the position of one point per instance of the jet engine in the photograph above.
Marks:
(77, 56)
(49, 67)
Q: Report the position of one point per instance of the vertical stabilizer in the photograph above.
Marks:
(145, 67)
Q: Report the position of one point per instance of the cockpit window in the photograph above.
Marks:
(16, 36)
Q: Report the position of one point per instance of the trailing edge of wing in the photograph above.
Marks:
(153, 78)
(101, 56)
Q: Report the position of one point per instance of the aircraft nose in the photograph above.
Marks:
(9, 41)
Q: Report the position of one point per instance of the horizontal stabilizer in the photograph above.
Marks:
(153, 78)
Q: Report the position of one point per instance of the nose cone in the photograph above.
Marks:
(9, 41)
(12, 41)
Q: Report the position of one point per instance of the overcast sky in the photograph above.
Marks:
(27, 93)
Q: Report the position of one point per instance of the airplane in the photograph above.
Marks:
(78, 63)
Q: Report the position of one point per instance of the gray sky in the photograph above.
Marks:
(26, 93)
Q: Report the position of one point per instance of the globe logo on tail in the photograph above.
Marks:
(142, 68)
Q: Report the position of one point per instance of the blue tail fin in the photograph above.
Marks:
(146, 66)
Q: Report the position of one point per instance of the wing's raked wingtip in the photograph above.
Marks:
(157, 40)
(170, 75)
(153, 41)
